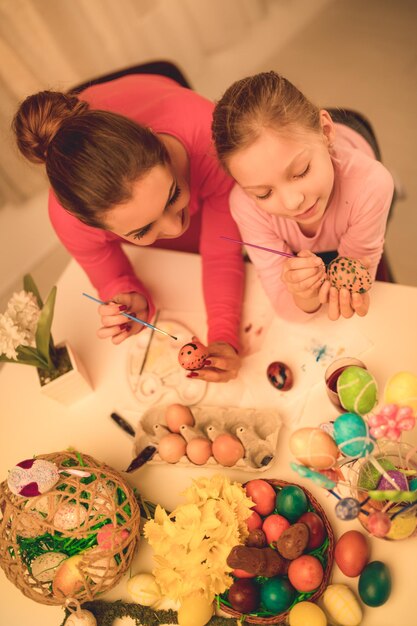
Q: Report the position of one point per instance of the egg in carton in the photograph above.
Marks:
(240, 438)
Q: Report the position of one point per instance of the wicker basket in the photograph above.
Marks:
(28, 529)
(281, 617)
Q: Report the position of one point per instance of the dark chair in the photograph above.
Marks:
(163, 68)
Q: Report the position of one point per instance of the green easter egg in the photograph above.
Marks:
(413, 484)
(277, 594)
(375, 584)
(291, 502)
(369, 476)
(357, 390)
(351, 435)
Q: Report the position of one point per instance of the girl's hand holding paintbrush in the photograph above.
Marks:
(304, 276)
(117, 326)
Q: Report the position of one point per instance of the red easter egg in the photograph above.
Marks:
(305, 573)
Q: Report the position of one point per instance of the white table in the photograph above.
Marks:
(34, 424)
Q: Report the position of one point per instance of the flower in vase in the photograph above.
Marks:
(25, 330)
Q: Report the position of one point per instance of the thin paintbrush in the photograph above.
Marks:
(131, 317)
(253, 245)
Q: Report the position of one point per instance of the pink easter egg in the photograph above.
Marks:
(109, 536)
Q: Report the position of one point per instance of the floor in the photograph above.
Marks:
(352, 53)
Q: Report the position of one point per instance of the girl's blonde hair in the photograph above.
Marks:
(266, 100)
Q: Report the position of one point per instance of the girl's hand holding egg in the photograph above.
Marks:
(346, 289)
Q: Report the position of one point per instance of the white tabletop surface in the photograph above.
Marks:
(32, 424)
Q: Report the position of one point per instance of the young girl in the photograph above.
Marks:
(132, 160)
(306, 185)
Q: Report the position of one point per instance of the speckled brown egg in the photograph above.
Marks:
(349, 273)
(192, 355)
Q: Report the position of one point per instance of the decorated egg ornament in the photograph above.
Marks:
(280, 376)
(192, 355)
(357, 390)
(350, 274)
(32, 477)
(351, 435)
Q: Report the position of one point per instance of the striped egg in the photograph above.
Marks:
(341, 605)
(357, 390)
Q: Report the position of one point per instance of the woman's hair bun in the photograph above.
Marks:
(39, 118)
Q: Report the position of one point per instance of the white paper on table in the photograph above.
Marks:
(308, 350)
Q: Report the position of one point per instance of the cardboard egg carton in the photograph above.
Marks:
(257, 430)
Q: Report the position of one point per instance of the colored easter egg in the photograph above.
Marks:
(280, 375)
(375, 584)
(347, 509)
(403, 525)
(291, 502)
(369, 475)
(277, 594)
(69, 578)
(357, 390)
(273, 527)
(399, 479)
(401, 389)
(350, 274)
(144, 590)
(317, 530)
(32, 477)
(342, 606)
(262, 494)
(195, 610)
(413, 484)
(378, 524)
(352, 553)
(44, 566)
(307, 614)
(305, 573)
(192, 355)
(109, 536)
(69, 516)
(314, 447)
(243, 595)
(351, 435)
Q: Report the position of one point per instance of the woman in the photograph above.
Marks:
(132, 161)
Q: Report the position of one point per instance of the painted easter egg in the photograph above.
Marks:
(352, 553)
(280, 376)
(314, 447)
(291, 502)
(316, 528)
(109, 536)
(69, 578)
(375, 584)
(401, 389)
(192, 355)
(277, 594)
(307, 613)
(402, 526)
(44, 566)
(342, 606)
(347, 509)
(397, 477)
(244, 595)
(351, 435)
(69, 516)
(32, 477)
(195, 610)
(378, 524)
(305, 573)
(357, 390)
(349, 273)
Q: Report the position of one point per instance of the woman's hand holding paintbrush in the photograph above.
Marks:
(117, 326)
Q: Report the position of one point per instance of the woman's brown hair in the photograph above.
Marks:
(266, 100)
(92, 157)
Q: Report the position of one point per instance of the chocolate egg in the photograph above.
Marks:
(349, 273)
(293, 541)
(192, 355)
(280, 376)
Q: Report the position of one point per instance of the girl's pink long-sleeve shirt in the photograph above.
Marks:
(165, 107)
(354, 222)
